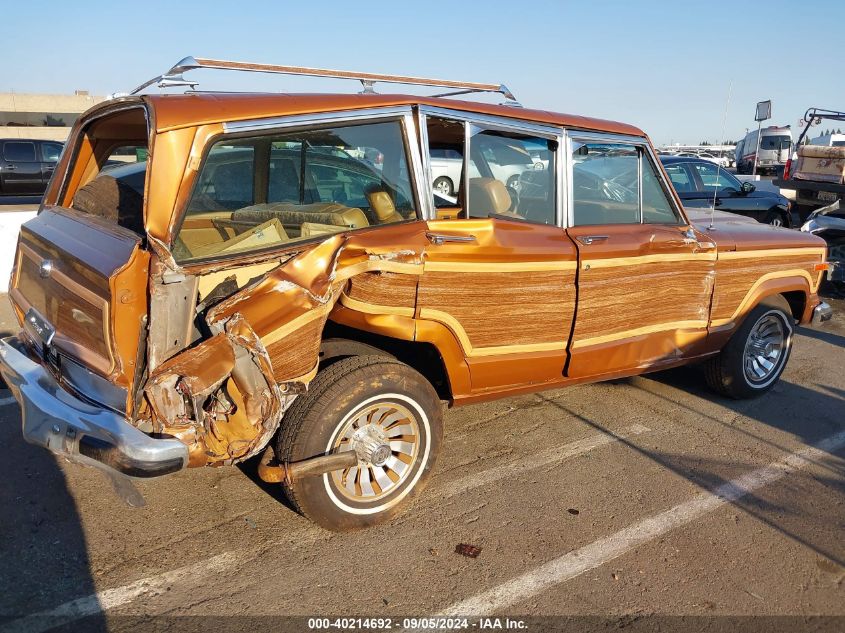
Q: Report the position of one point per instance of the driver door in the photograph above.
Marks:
(645, 277)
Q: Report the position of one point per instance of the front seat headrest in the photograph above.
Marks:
(382, 206)
(488, 196)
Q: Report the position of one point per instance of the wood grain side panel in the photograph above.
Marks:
(736, 277)
(293, 356)
(384, 288)
(500, 309)
(616, 300)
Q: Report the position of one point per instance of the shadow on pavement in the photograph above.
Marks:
(43, 555)
(804, 413)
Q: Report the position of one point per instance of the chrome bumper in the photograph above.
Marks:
(821, 313)
(84, 433)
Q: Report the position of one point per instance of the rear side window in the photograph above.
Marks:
(19, 152)
(266, 191)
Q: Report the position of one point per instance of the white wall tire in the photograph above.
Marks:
(362, 399)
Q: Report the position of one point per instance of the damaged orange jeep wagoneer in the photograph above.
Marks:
(215, 275)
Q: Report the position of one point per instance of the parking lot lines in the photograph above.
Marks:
(548, 457)
(599, 552)
(154, 585)
(111, 598)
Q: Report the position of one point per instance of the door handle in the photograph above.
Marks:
(591, 239)
(440, 238)
(11, 167)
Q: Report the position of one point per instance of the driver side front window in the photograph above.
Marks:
(616, 183)
(605, 184)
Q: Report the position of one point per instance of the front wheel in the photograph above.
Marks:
(387, 413)
(755, 356)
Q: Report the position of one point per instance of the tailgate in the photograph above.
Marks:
(77, 276)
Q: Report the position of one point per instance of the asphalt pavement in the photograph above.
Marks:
(620, 505)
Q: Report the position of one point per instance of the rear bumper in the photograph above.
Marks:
(59, 421)
(821, 313)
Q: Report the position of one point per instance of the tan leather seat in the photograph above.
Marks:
(382, 207)
(488, 196)
(294, 215)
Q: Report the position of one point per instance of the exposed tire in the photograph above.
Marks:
(444, 185)
(755, 356)
(373, 404)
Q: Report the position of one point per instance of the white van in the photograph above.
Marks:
(775, 150)
(829, 140)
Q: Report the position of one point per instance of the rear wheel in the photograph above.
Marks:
(443, 185)
(756, 355)
(387, 413)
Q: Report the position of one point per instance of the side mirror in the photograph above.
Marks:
(748, 187)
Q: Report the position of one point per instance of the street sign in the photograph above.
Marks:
(764, 111)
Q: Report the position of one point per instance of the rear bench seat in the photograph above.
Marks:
(293, 216)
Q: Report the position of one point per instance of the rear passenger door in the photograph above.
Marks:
(21, 168)
(500, 274)
(645, 276)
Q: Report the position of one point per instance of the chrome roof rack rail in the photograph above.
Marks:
(173, 77)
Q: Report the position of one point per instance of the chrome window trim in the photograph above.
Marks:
(416, 168)
(294, 120)
(492, 122)
(424, 186)
(645, 149)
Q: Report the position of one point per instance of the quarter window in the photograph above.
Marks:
(265, 191)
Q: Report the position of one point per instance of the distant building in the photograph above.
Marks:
(40, 115)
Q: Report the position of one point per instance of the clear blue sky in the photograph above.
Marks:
(665, 66)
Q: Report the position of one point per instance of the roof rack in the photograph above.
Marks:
(173, 77)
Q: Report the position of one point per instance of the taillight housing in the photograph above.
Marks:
(787, 168)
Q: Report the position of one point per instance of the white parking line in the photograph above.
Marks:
(548, 457)
(111, 598)
(155, 585)
(604, 550)
(7, 400)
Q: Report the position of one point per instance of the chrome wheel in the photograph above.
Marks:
(776, 221)
(386, 437)
(766, 349)
(443, 185)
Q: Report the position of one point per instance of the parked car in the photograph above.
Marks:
(775, 149)
(26, 166)
(509, 161)
(723, 161)
(231, 298)
(701, 184)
